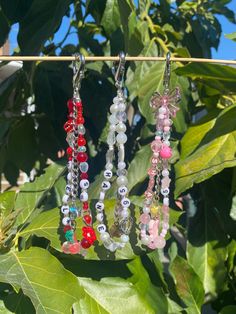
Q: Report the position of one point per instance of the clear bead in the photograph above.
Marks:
(81, 129)
(83, 167)
(121, 116)
(111, 138)
(113, 118)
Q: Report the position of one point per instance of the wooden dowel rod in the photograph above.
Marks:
(112, 58)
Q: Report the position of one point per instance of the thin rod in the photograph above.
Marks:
(108, 58)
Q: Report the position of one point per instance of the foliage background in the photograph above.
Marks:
(196, 272)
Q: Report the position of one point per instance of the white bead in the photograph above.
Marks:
(165, 172)
(120, 127)
(66, 221)
(122, 190)
(69, 165)
(99, 206)
(125, 202)
(68, 189)
(165, 191)
(114, 108)
(161, 116)
(121, 106)
(65, 198)
(163, 233)
(106, 185)
(166, 201)
(107, 174)
(101, 196)
(125, 213)
(121, 138)
(167, 143)
(65, 210)
(101, 228)
(112, 247)
(84, 196)
(121, 165)
(162, 110)
(109, 166)
(112, 127)
(69, 176)
(145, 240)
(146, 210)
(100, 217)
(165, 225)
(84, 184)
(124, 238)
(104, 236)
(116, 100)
(113, 119)
(122, 180)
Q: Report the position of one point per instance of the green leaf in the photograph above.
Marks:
(188, 285)
(137, 171)
(16, 303)
(231, 36)
(51, 288)
(7, 200)
(229, 309)
(15, 10)
(31, 194)
(41, 21)
(4, 27)
(220, 77)
(111, 17)
(208, 148)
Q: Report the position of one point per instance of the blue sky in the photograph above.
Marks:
(226, 50)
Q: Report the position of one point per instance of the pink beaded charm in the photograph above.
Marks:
(165, 152)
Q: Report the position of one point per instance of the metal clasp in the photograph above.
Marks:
(166, 81)
(119, 72)
(78, 71)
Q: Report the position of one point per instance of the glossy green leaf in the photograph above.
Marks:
(40, 22)
(31, 194)
(16, 303)
(111, 17)
(229, 309)
(15, 10)
(51, 288)
(188, 285)
(208, 148)
(231, 36)
(220, 77)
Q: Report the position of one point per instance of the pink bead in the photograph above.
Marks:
(159, 242)
(148, 194)
(66, 247)
(165, 209)
(144, 219)
(155, 146)
(154, 160)
(164, 100)
(161, 116)
(165, 152)
(158, 138)
(166, 122)
(74, 248)
(152, 245)
(166, 129)
(152, 172)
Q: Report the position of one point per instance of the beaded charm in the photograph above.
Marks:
(116, 136)
(77, 177)
(154, 221)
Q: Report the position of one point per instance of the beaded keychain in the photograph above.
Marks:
(77, 163)
(154, 221)
(116, 137)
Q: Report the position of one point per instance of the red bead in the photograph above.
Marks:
(70, 105)
(69, 150)
(85, 205)
(70, 158)
(80, 120)
(87, 219)
(68, 126)
(85, 243)
(66, 228)
(78, 104)
(82, 157)
(81, 141)
(83, 175)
